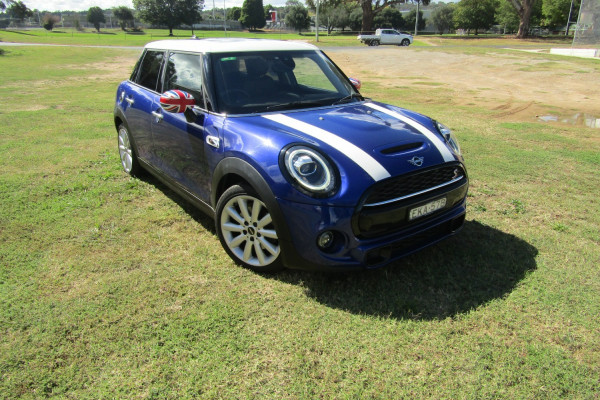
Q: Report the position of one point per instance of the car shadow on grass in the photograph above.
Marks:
(197, 215)
(476, 266)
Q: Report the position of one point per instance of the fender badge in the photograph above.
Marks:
(417, 161)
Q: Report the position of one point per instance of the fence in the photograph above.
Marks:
(587, 30)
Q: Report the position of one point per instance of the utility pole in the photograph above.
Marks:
(417, 18)
(317, 22)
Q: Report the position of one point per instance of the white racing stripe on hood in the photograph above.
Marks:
(435, 139)
(360, 157)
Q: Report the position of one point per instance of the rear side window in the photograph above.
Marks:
(149, 72)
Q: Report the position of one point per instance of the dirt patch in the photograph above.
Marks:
(514, 86)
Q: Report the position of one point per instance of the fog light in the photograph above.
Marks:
(325, 239)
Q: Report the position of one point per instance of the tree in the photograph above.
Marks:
(169, 13)
(332, 13)
(124, 15)
(297, 18)
(4, 4)
(475, 14)
(234, 13)
(95, 16)
(556, 12)
(49, 20)
(371, 8)
(507, 17)
(19, 11)
(355, 18)
(411, 19)
(390, 17)
(442, 18)
(337, 17)
(253, 14)
(524, 9)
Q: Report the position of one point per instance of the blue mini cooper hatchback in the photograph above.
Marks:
(278, 145)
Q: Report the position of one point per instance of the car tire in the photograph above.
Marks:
(246, 230)
(127, 152)
(375, 42)
(405, 42)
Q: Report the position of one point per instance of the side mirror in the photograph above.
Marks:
(356, 83)
(177, 101)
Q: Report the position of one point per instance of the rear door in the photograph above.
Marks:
(138, 100)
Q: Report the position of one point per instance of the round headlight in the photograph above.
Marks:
(449, 137)
(309, 169)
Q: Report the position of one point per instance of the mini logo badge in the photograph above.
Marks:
(417, 161)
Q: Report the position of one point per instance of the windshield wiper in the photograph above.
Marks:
(348, 98)
(295, 104)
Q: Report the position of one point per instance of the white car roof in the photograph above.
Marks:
(225, 45)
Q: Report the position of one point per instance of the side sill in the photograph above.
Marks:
(177, 188)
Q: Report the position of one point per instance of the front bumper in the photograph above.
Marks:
(350, 251)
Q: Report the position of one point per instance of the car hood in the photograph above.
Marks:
(370, 133)
(368, 141)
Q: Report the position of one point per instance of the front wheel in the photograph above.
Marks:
(405, 42)
(246, 230)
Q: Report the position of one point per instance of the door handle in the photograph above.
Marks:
(158, 116)
(129, 100)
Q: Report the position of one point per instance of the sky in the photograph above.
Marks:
(82, 5)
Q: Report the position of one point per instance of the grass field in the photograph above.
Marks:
(113, 287)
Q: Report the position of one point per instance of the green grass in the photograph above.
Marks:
(113, 287)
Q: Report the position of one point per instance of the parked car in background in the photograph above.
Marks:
(298, 170)
(386, 36)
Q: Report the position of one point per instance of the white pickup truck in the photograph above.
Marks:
(386, 36)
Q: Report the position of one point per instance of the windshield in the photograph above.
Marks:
(254, 82)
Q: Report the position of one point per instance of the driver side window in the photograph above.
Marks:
(184, 72)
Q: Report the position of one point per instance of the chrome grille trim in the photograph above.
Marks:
(408, 196)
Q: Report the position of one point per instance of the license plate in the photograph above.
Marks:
(426, 209)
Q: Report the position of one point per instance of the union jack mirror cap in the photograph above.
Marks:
(176, 101)
(355, 82)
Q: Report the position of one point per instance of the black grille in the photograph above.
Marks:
(406, 185)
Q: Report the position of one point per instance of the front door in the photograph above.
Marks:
(179, 140)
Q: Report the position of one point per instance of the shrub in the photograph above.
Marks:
(49, 21)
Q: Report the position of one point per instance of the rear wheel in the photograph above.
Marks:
(246, 230)
(127, 152)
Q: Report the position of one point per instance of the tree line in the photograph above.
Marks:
(364, 15)
(470, 15)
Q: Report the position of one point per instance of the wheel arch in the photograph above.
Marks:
(119, 118)
(118, 121)
(235, 171)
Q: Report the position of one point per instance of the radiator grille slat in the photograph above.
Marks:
(406, 185)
